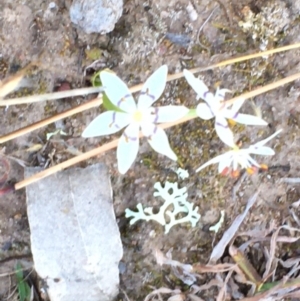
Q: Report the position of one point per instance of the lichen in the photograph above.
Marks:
(175, 198)
(267, 24)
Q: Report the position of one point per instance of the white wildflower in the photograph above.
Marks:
(215, 107)
(135, 116)
(229, 162)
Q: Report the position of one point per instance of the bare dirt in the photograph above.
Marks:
(150, 34)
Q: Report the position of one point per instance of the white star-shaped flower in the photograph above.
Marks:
(135, 117)
(229, 162)
(215, 107)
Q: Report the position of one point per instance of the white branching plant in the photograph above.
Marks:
(142, 116)
(175, 204)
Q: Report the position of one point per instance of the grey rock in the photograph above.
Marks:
(75, 240)
(96, 16)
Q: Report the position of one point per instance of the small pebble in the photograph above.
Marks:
(122, 267)
(152, 233)
(191, 12)
(52, 5)
(6, 246)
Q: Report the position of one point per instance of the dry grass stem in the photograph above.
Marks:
(265, 88)
(91, 104)
(114, 143)
(95, 152)
(49, 96)
(136, 88)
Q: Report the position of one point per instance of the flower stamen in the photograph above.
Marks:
(264, 167)
(147, 92)
(123, 99)
(250, 170)
(235, 173)
(225, 171)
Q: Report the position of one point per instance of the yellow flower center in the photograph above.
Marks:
(137, 116)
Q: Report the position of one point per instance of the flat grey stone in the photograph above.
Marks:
(75, 240)
(96, 16)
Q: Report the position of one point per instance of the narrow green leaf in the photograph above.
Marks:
(22, 285)
(108, 105)
(96, 82)
(192, 113)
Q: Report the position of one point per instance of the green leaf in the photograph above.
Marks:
(22, 285)
(192, 113)
(93, 54)
(96, 82)
(108, 105)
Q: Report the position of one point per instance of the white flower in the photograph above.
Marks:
(228, 162)
(215, 108)
(135, 116)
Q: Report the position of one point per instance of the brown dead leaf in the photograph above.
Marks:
(218, 268)
(243, 263)
(161, 259)
(179, 297)
(229, 233)
(273, 243)
(222, 293)
(194, 298)
(289, 263)
(162, 290)
(34, 148)
(214, 282)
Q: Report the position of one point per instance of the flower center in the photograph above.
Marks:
(137, 116)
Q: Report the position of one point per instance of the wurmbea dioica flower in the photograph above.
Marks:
(228, 162)
(135, 116)
(215, 107)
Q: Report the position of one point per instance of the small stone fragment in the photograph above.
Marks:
(191, 12)
(96, 16)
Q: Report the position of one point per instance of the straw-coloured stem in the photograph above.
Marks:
(136, 88)
(114, 143)
(92, 153)
(91, 104)
(50, 96)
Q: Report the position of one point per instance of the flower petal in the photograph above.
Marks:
(224, 132)
(252, 162)
(159, 142)
(128, 148)
(261, 150)
(204, 111)
(225, 162)
(117, 91)
(200, 88)
(220, 94)
(235, 162)
(153, 88)
(106, 123)
(170, 113)
(237, 105)
(245, 118)
(263, 142)
(215, 160)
